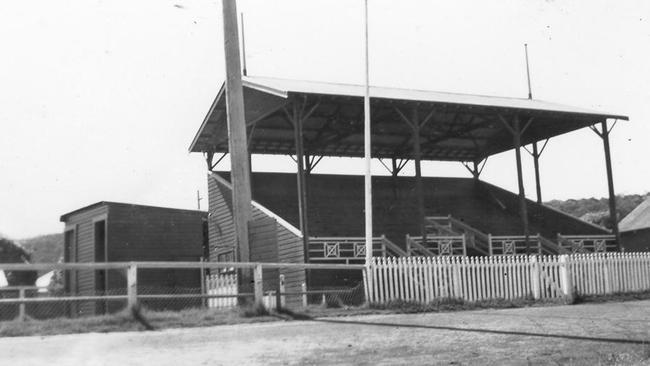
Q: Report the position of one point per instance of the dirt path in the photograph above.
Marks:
(612, 333)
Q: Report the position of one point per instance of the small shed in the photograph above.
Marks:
(120, 232)
(635, 228)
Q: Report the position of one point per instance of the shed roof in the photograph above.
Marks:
(638, 219)
(463, 127)
(65, 216)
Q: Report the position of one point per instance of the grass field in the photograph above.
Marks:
(610, 333)
(190, 318)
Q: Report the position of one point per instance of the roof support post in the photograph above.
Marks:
(297, 120)
(517, 131)
(419, 191)
(394, 171)
(538, 185)
(237, 140)
(536, 153)
(610, 183)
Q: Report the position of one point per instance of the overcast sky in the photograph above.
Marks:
(101, 99)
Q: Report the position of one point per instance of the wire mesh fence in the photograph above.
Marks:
(95, 289)
(46, 304)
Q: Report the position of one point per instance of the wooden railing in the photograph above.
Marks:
(474, 238)
(350, 249)
(488, 244)
(440, 224)
(587, 243)
(390, 249)
(436, 245)
(414, 248)
(550, 248)
(514, 244)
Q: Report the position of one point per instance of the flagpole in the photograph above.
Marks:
(367, 152)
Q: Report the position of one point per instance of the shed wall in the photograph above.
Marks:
(636, 240)
(83, 251)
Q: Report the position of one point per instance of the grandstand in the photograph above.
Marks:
(411, 215)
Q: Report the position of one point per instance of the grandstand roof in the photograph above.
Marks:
(462, 127)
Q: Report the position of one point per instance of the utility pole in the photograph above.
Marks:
(367, 150)
(237, 139)
(198, 200)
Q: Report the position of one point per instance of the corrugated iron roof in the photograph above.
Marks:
(638, 219)
(282, 87)
(464, 127)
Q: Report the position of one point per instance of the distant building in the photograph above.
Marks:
(635, 228)
(120, 232)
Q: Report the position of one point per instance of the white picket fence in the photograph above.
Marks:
(425, 279)
(226, 285)
(221, 284)
(606, 273)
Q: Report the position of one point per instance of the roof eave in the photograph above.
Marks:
(195, 140)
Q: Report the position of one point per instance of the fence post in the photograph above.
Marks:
(132, 285)
(408, 245)
(490, 244)
(534, 277)
(565, 278)
(258, 285)
(279, 297)
(304, 294)
(203, 284)
(464, 236)
(21, 306)
(366, 289)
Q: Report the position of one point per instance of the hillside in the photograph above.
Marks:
(597, 210)
(45, 248)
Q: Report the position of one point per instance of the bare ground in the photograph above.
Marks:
(590, 334)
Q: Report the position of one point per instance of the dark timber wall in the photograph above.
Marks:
(636, 240)
(272, 239)
(136, 233)
(335, 205)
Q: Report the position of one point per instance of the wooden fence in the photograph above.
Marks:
(215, 291)
(223, 291)
(426, 279)
(607, 273)
(221, 285)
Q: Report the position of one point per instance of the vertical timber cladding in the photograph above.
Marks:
(83, 251)
(145, 233)
(263, 243)
(222, 235)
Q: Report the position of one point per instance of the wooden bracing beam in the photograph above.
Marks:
(477, 167)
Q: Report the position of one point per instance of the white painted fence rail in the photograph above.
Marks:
(425, 279)
(222, 284)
